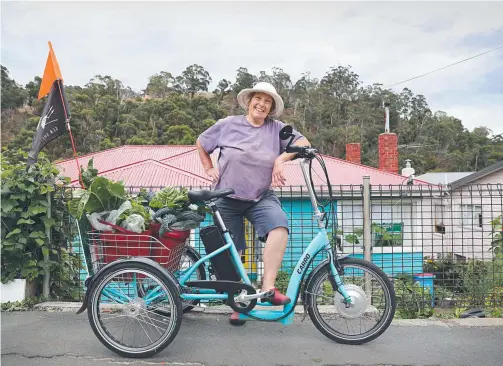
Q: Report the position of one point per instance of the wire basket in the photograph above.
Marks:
(107, 246)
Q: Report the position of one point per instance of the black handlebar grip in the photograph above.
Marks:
(295, 149)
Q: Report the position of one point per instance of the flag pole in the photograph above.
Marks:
(68, 128)
(67, 119)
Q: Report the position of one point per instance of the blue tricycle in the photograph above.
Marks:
(135, 303)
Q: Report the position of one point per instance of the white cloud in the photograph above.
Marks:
(384, 43)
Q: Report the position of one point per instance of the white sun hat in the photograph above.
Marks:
(262, 87)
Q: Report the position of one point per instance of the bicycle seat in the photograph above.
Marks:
(206, 195)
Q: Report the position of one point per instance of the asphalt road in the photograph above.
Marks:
(44, 338)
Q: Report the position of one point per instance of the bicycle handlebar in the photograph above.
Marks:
(302, 151)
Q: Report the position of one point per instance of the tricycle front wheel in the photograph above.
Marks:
(124, 305)
(373, 302)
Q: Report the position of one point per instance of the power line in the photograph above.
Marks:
(431, 72)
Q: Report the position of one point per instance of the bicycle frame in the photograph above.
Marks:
(320, 242)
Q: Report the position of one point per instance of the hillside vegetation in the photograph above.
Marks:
(331, 112)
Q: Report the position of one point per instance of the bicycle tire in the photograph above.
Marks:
(201, 276)
(353, 340)
(168, 284)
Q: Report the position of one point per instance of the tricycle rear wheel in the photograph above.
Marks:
(139, 289)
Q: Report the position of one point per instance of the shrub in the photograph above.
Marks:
(29, 220)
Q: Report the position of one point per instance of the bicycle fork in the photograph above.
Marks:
(335, 267)
(335, 279)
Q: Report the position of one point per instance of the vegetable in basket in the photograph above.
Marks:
(174, 210)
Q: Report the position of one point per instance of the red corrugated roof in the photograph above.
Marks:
(120, 156)
(139, 165)
(190, 161)
(151, 173)
(340, 172)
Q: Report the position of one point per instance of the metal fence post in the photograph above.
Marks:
(47, 270)
(367, 230)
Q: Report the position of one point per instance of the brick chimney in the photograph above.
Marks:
(353, 153)
(388, 152)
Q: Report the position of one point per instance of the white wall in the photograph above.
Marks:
(459, 212)
(466, 233)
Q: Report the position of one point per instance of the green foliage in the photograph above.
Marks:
(447, 270)
(413, 300)
(179, 135)
(25, 217)
(89, 174)
(25, 305)
(175, 109)
(102, 195)
(170, 197)
(13, 95)
(355, 236)
(195, 78)
(497, 235)
(137, 208)
(385, 236)
(469, 282)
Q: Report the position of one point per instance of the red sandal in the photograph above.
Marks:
(234, 319)
(277, 298)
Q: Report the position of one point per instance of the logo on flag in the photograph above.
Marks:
(51, 123)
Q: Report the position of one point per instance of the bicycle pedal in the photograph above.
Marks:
(268, 295)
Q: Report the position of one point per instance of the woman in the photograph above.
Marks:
(251, 160)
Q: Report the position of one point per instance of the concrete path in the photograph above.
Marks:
(63, 338)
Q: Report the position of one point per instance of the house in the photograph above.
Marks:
(154, 167)
(443, 178)
(462, 212)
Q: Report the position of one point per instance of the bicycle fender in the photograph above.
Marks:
(90, 282)
(195, 252)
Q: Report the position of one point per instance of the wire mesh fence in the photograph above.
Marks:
(441, 247)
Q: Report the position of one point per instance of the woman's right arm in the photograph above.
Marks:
(206, 162)
(206, 143)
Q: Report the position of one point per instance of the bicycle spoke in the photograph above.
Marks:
(150, 339)
(362, 316)
(146, 328)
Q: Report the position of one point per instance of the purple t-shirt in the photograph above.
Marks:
(247, 154)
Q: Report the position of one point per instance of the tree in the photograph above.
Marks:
(223, 88)
(195, 78)
(341, 82)
(330, 112)
(244, 80)
(160, 85)
(281, 80)
(263, 77)
(13, 95)
(32, 89)
(179, 135)
(496, 149)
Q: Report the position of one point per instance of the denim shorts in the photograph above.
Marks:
(264, 215)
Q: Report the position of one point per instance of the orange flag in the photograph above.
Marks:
(51, 73)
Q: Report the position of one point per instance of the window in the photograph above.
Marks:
(350, 223)
(471, 215)
(439, 220)
(391, 224)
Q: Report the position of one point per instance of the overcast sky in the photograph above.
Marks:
(383, 42)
